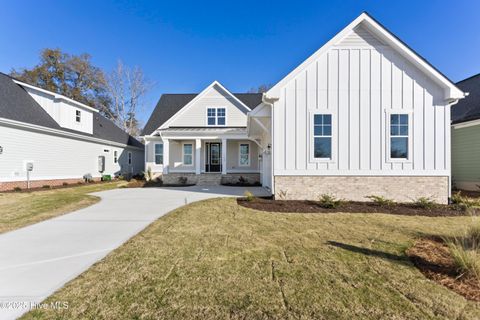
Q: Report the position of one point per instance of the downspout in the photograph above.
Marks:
(271, 102)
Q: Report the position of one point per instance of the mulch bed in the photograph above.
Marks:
(70, 185)
(306, 206)
(153, 184)
(432, 258)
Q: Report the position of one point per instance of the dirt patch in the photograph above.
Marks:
(433, 259)
(306, 206)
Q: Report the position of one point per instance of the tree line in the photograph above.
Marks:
(117, 94)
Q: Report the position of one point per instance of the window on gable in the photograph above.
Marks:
(399, 136)
(115, 156)
(78, 115)
(216, 116)
(188, 154)
(322, 136)
(244, 154)
(129, 158)
(159, 153)
(211, 116)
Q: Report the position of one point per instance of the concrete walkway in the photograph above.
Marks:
(37, 260)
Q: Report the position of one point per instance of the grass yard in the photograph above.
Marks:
(217, 260)
(19, 209)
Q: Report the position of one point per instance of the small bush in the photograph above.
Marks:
(65, 184)
(87, 177)
(182, 180)
(148, 175)
(242, 180)
(381, 200)
(46, 186)
(463, 202)
(424, 203)
(17, 189)
(106, 177)
(249, 196)
(329, 201)
(465, 251)
(79, 182)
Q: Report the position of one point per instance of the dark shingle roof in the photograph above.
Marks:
(169, 104)
(468, 108)
(17, 104)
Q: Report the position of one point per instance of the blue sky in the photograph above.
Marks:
(184, 45)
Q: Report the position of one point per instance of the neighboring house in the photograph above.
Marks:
(60, 138)
(466, 137)
(364, 115)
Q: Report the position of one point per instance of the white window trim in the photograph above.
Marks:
(312, 140)
(216, 117)
(130, 158)
(240, 154)
(183, 154)
(155, 153)
(388, 113)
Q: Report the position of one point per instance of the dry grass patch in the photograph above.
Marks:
(218, 260)
(21, 209)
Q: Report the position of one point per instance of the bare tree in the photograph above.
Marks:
(127, 88)
(260, 89)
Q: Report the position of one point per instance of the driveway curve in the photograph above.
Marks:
(38, 259)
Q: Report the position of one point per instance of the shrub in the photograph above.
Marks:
(148, 175)
(65, 184)
(182, 180)
(329, 201)
(464, 202)
(46, 186)
(465, 251)
(242, 180)
(17, 189)
(424, 203)
(381, 200)
(249, 196)
(106, 177)
(87, 177)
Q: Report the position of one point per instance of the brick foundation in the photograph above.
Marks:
(7, 186)
(209, 178)
(356, 188)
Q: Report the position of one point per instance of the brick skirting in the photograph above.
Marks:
(356, 188)
(7, 186)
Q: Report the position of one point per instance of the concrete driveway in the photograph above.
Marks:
(37, 260)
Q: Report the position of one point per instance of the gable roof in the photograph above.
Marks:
(468, 109)
(18, 105)
(171, 104)
(385, 36)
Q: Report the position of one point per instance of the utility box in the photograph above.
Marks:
(101, 163)
(28, 165)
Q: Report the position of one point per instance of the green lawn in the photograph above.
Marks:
(20, 209)
(217, 260)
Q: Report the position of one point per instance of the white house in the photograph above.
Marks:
(58, 139)
(364, 115)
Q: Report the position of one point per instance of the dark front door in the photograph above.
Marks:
(213, 157)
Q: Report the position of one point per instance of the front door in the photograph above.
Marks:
(213, 157)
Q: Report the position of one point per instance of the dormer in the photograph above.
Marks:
(66, 112)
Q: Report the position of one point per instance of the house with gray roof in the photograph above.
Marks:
(363, 115)
(49, 139)
(466, 137)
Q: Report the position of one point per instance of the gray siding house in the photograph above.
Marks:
(61, 140)
(466, 137)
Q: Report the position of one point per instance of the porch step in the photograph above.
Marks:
(209, 179)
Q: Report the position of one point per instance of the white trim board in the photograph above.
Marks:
(429, 173)
(466, 124)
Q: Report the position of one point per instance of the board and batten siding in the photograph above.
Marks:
(466, 157)
(59, 157)
(195, 115)
(359, 83)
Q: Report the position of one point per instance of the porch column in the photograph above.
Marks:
(198, 155)
(166, 155)
(224, 156)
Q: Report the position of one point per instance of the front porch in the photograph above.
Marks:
(204, 156)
